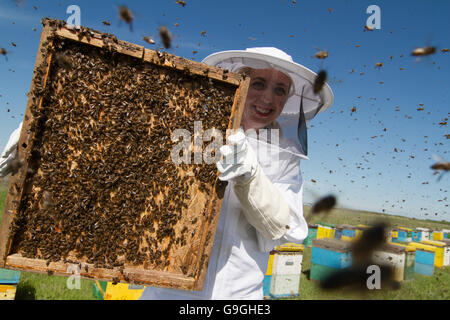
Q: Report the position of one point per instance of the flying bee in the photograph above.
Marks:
(63, 60)
(441, 164)
(106, 23)
(148, 40)
(368, 28)
(320, 80)
(46, 200)
(324, 204)
(378, 64)
(126, 15)
(445, 50)
(4, 53)
(424, 51)
(321, 55)
(183, 3)
(165, 36)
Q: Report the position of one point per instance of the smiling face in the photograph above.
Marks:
(267, 94)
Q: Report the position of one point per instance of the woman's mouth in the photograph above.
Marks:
(262, 112)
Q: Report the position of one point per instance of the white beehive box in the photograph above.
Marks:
(287, 268)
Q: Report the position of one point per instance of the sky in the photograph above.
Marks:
(377, 158)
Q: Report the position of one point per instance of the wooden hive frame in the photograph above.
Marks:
(128, 274)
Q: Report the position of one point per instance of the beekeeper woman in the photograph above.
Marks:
(262, 206)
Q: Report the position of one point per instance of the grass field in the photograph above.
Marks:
(44, 287)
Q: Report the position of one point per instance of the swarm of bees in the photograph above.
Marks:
(103, 187)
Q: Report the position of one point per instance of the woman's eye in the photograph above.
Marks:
(258, 85)
(280, 91)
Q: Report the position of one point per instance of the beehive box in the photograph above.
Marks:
(312, 234)
(425, 233)
(97, 186)
(286, 270)
(325, 230)
(417, 235)
(391, 256)
(348, 232)
(425, 258)
(8, 284)
(442, 252)
(410, 260)
(328, 256)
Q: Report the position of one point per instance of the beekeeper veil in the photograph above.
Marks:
(301, 106)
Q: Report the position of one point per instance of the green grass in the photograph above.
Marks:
(43, 287)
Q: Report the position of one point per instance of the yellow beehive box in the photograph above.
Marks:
(290, 246)
(7, 292)
(438, 235)
(444, 248)
(123, 291)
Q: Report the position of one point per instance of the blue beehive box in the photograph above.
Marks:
(417, 236)
(9, 276)
(329, 255)
(424, 262)
(402, 235)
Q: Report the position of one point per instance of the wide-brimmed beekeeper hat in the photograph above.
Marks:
(302, 96)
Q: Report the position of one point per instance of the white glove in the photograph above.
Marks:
(238, 158)
(10, 152)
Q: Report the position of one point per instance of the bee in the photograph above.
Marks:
(183, 3)
(203, 33)
(368, 28)
(63, 60)
(445, 50)
(324, 204)
(126, 15)
(441, 164)
(320, 80)
(321, 55)
(4, 53)
(106, 23)
(424, 51)
(165, 36)
(378, 64)
(148, 40)
(46, 200)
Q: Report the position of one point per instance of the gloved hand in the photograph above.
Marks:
(9, 154)
(238, 158)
